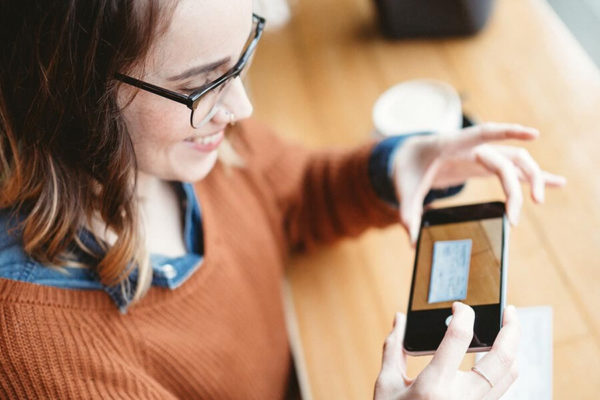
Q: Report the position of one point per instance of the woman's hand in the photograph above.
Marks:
(441, 378)
(439, 161)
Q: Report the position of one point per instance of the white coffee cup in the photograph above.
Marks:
(421, 105)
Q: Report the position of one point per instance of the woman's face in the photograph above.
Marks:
(201, 32)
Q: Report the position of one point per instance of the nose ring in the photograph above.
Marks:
(231, 118)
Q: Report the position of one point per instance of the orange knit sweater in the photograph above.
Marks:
(221, 335)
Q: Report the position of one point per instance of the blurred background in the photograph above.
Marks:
(317, 74)
(582, 17)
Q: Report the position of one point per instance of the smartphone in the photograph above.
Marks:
(461, 255)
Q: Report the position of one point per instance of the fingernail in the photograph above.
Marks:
(513, 219)
(399, 318)
(412, 234)
(516, 214)
(455, 306)
(539, 193)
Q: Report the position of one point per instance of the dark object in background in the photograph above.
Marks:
(417, 18)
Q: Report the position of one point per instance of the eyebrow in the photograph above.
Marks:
(199, 70)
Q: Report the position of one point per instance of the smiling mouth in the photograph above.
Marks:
(205, 139)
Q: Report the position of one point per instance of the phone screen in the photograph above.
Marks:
(459, 261)
(459, 258)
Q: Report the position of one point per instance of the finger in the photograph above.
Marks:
(481, 389)
(554, 180)
(410, 215)
(394, 356)
(505, 383)
(510, 317)
(456, 341)
(498, 363)
(492, 131)
(392, 348)
(530, 169)
(411, 205)
(509, 177)
(392, 376)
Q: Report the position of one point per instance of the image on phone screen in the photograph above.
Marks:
(459, 261)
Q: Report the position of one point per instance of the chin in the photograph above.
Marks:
(197, 172)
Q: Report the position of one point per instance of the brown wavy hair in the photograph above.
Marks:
(65, 153)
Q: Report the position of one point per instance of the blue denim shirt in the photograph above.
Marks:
(168, 272)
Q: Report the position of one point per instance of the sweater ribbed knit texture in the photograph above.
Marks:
(221, 335)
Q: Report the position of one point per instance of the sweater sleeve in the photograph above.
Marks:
(321, 195)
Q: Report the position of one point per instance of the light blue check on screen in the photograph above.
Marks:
(450, 270)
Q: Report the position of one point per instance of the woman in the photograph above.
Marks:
(112, 199)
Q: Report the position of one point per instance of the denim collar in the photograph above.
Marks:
(168, 272)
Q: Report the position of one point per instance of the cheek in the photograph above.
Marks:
(158, 130)
(155, 125)
(157, 120)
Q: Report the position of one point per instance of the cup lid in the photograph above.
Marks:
(416, 106)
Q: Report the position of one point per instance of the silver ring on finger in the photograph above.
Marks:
(483, 375)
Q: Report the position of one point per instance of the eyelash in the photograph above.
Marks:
(189, 91)
(192, 90)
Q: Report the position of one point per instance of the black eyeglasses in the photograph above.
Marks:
(204, 101)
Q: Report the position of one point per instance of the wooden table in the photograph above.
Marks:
(316, 81)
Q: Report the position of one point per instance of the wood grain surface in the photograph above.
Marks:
(316, 80)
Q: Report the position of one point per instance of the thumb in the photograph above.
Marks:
(410, 217)
(392, 381)
(394, 357)
(414, 228)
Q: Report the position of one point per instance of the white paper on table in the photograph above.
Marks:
(534, 355)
